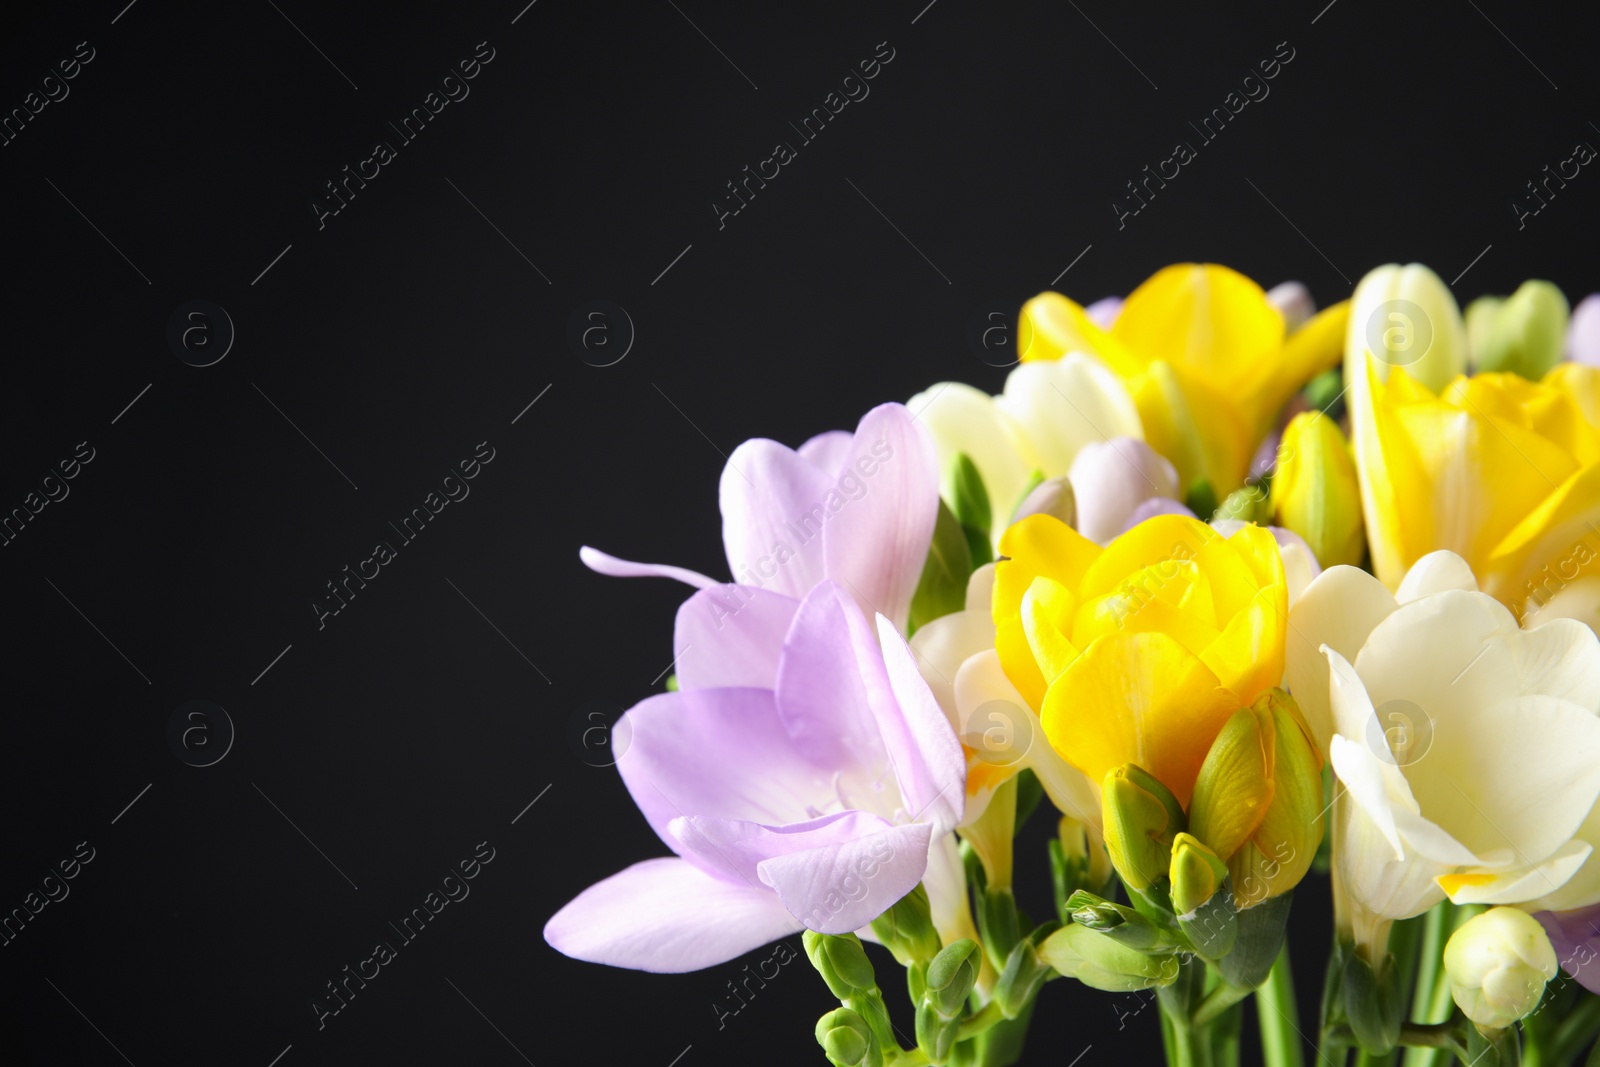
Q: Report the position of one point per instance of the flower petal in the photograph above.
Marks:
(772, 513)
(837, 888)
(1338, 609)
(921, 743)
(877, 540)
(717, 752)
(730, 636)
(828, 675)
(734, 848)
(601, 563)
(667, 916)
(827, 451)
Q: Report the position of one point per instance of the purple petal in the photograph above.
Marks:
(1294, 302)
(772, 514)
(717, 752)
(733, 848)
(882, 512)
(1103, 313)
(1583, 332)
(667, 916)
(828, 674)
(828, 451)
(602, 563)
(1156, 505)
(842, 887)
(1111, 478)
(1265, 461)
(928, 759)
(1575, 935)
(730, 636)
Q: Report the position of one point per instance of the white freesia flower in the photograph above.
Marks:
(1049, 410)
(1467, 749)
(1498, 964)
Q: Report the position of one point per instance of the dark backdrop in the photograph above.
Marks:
(374, 349)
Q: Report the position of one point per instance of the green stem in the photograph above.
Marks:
(973, 1025)
(1276, 1011)
(1431, 1003)
(1219, 1000)
(1187, 1044)
(1403, 944)
(1572, 1034)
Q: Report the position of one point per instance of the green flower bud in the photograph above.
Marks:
(1498, 964)
(1257, 800)
(1141, 818)
(1125, 925)
(841, 961)
(906, 929)
(951, 976)
(1196, 873)
(1101, 963)
(1024, 973)
(847, 1040)
(1248, 503)
(1524, 334)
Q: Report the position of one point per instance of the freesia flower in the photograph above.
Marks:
(1498, 964)
(1467, 749)
(1500, 470)
(818, 802)
(1047, 414)
(1315, 492)
(1583, 332)
(1206, 357)
(1575, 937)
(857, 509)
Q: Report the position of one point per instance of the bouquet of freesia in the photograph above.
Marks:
(1249, 593)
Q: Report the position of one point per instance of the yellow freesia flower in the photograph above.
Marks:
(1205, 356)
(1502, 471)
(1141, 651)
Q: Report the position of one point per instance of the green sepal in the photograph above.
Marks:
(1213, 929)
(1261, 931)
(1020, 980)
(906, 929)
(1372, 1003)
(942, 589)
(841, 961)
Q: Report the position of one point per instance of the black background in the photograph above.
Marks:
(410, 328)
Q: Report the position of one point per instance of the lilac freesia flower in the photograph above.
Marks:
(1583, 331)
(858, 509)
(810, 800)
(1575, 935)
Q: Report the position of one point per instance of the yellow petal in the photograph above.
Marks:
(1213, 320)
(1053, 326)
(1234, 786)
(1199, 429)
(1137, 698)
